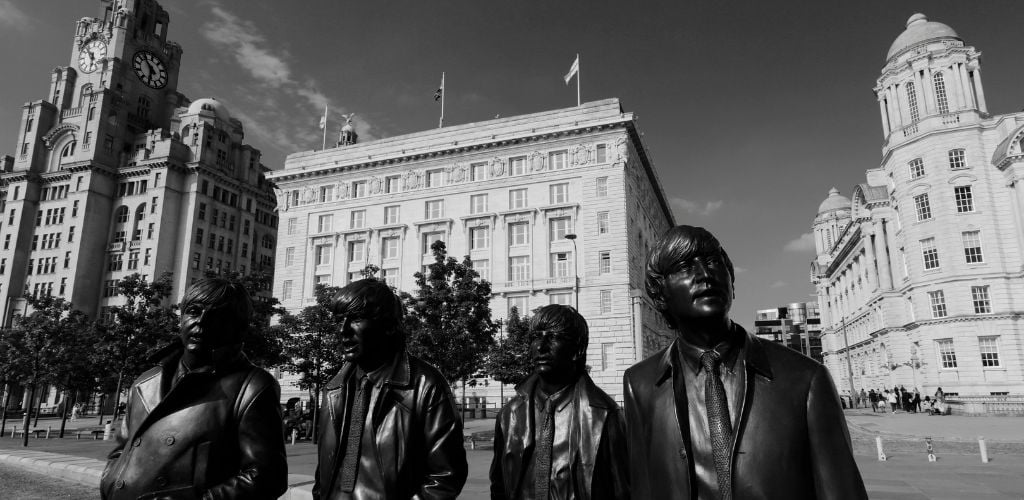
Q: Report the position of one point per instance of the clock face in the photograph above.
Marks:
(90, 55)
(150, 69)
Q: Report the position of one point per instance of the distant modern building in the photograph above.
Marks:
(116, 173)
(919, 275)
(797, 326)
(507, 192)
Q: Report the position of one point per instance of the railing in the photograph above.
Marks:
(561, 280)
(135, 245)
(117, 246)
(909, 131)
(71, 112)
(987, 405)
(951, 118)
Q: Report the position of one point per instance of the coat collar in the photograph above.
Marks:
(398, 375)
(757, 359)
(585, 389)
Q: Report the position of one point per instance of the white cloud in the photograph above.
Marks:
(805, 243)
(739, 269)
(247, 45)
(12, 16)
(778, 284)
(695, 208)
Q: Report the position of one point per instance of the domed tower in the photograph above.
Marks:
(930, 81)
(833, 216)
(348, 134)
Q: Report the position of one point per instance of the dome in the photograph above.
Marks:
(210, 104)
(348, 127)
(919, 30)
(835, 201)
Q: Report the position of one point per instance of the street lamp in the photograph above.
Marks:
(575, 268)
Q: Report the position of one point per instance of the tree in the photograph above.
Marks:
(263, 343)
(312, 345)
(74, 368)
(141, 326)
(449, 320)
(509, 359)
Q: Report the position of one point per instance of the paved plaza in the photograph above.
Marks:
(957, 474)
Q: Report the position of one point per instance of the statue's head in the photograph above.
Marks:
(690, 277)
(370, 317)
(559, 342)
(215, 314)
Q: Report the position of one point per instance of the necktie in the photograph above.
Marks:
(542, 464)
(718, 422)
(350, 463)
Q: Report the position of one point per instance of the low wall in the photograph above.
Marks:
(987, 405)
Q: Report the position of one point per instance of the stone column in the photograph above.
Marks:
(928, 87)
(869, 254)
(885, 115)
(979, 90)
(1017, 201)
(965, 86)
(894, 109)
(884, 264)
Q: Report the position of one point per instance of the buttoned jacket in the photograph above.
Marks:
(417, 432)
(791, 442)
(215, 434)
(597, 447)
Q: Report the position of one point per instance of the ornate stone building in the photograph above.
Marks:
(506, 192)
(116, 173)
(919, 275)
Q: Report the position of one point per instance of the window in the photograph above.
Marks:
(150, 229)
(74, 209)
(560, 265)
(429, 239)
(324, 222)
(606, 301)
(212, 242)
(245, 249)
(517, 198)
(602, 223)
(147, 257)
(912, 101)
(390, 276)
(195, 260)
(199, 236)
(477, 171)
(517, 166)
(519, 268)
(71, 234)
(559, 228)
(391, 214)
(938, 302)
(202, 211)
(940, 92)
(560, 298)
(556, 160)
(63, 285)
(433, 178)
(231, 223)
(519, 303)
(604, 263)
(482, 267)
(964, 199)
(110, 288)
(957, 159)
(391, 184)
(478, 203)
(947, 356)
(3, 266)
(434, 209)
(979, 296)
(10, 218)
(916, 168)
(286, 289)
(359, 189)
(601, 189)
(602, 153)
(559, 193)
(289, 256)
(924, 209)
(930, 253)
(7, 241)
(479, 238)
(972, 247)
(292, 225)
(357, 219)
(245, 227)
(133, 260)
(116, 262)
(156, 201)
(389, 247)
(322, 254)
(326, 193)
(518, 234)
(989, 348)
(322, 279)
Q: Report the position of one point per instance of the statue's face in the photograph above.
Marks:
(700, 290)
(205, 328)
(553, 353)
(362, 339)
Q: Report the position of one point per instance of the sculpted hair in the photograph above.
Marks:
(671, 251)
(218, 292)
(568, 320)
(373, 299)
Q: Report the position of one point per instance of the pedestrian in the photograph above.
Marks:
(873, 397)
(863, 399)
(915, 401)
(892, 398)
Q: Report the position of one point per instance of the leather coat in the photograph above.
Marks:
(417, 433)
(598, 467)
(217, 434)
(791, 442)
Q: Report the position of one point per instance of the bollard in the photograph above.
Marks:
(295, 433)
(878, 444)
(13, 430)
(48, 429)
(984, 449)
(931, 452)
(108, 431)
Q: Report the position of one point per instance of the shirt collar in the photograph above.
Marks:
(729, 349)
(559, 399)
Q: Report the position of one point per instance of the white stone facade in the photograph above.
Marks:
(504, 192)
(921, 286)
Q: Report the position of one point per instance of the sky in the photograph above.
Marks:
(752, 110)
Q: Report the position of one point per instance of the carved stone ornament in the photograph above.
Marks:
(375, 185)
(458, 173)
(390, 233)
(308, 195)
(580, 155)
(537, 161)
(51, 137)
(478, 223)
(342, 190)
(497, 167)
(620, 149)
(412, 179)
(518, 218)
(561, 212)
(279, 195)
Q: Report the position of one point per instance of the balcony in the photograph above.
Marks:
(117, 246)
(135, 245)
(71, 113)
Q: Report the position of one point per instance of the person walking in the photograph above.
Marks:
(892, 398)
(873, 398)
(915, 401)
(863, 403)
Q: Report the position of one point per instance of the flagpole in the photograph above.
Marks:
(578, 79)
(324, 146)
(440, 122)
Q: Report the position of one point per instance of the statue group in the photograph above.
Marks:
(718, 414)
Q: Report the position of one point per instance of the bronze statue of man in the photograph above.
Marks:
(721, 414)
(204, 423)
(388, 423)
(560, 436)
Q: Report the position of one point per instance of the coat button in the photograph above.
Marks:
(682, 453)
(161, 482)
(119, 484)
(169, 440)
(137, 442)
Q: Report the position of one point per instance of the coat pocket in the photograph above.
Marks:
(201, 464)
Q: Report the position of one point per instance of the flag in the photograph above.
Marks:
(438, 93)
(573, 70)
(323, 119)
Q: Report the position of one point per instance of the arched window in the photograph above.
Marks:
(121, 215)
(912, 101)
(940, 93)
(86, 94)
(142, 109)
(140, 214)
(68, 151)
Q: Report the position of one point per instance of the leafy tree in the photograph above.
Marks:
(311, 345)
(74, 369)
(509, 359)
(369, 272)
(141, 326)
(449, 319)
(263, 343)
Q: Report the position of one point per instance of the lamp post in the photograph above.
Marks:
(849, 362)
(575, 268)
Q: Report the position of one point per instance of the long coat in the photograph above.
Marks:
(598, 468)
(417, 432)
(791, 442)
(216, 434)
